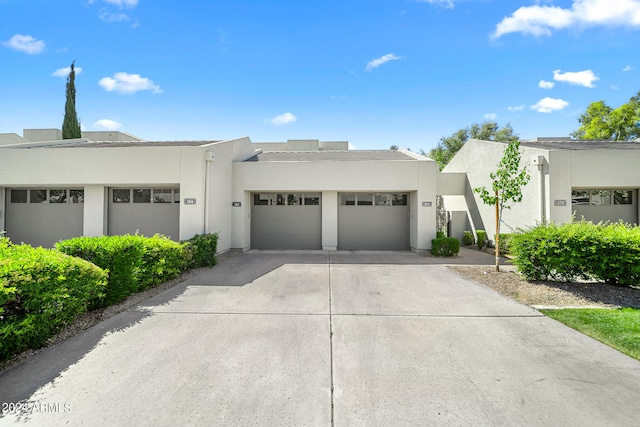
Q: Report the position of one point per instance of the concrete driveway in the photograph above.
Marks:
(322, 339)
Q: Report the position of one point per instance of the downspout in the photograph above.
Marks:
(539, 161)
(209, 157)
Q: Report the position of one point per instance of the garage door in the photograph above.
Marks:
(146, 211)
(42, 216)
(605, 205)
(286, 221)
(373, 221)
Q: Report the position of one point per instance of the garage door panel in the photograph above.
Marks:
(144, 211)
(373, 228)
(286, 227)
(42, 224)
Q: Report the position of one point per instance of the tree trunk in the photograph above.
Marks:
(497, 233)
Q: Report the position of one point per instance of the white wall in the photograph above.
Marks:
(330, 177)
(478, 159)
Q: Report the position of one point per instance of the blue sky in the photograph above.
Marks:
(395, 72)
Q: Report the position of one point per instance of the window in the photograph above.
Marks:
(311, 199)
(601, 197)
(286, 199)
(400, 199)
(348, 199)
(262, 199)
(622, 197)
(76, 196)
(19, 196)
(162, 196)
(365, 199)
(383, 199)
(38, 196)
(141, 195)
(176, 196)
(57, 196)
(379, 199)
(121, 196)
(580, 197)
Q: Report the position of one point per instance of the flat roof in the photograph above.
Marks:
(333, 155)
(581, 144)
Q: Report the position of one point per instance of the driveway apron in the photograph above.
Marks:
(326, 339)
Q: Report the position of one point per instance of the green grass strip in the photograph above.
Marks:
(618, 328)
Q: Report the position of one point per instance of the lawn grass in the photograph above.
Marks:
(618, 328)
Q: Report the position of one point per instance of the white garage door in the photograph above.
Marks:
(42, 216)
(373, 221)
(286, 221)
(146, 211)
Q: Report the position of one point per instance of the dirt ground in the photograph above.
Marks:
(546, 294)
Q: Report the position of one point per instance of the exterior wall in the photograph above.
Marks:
(548, 194)
(478, 159)
(11, 138)
(3, 207)
(329, 220)
(95, 208)
(415, 177)
(42, 134)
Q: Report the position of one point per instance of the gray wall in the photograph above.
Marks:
(612, 213)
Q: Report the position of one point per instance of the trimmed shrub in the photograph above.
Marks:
(41, 291)
(162, 260)
(505, 242)
(439, 234)
(201, 250)
(445, 246)
(579, 250)
(121, 256)
(467, 238)
(482, 239)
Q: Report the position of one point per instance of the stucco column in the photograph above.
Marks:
(329, 220)
(3, 205)
(94, 217)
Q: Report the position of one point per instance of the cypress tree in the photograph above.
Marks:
(71, 124)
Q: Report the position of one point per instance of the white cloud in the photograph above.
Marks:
(110, 18)
(64, 72)
(516, 108)
(581, 78)
(628, 68)
(445, 3)
(540, 20)
(545, 84)
(282, 119)
(379, 61)
(26, 44)
(120, 3)
(126, 83)
(106, 124)
(547, 105)
(490, 116)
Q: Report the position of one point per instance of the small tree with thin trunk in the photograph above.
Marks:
(508, 181)
(71, 124)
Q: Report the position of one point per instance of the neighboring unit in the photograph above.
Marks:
(301, 194)
(594, 180)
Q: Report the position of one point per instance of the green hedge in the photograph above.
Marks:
(445, 246)
(579, 250)
(121, 256)
(467, 238)
(134, 262)
(201, 250)
(41, 291)
(482, 238)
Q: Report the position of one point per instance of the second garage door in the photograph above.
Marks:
(373, 221)
(286, 221)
